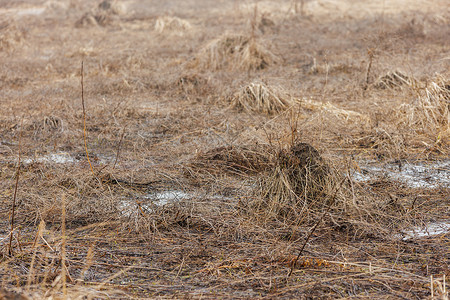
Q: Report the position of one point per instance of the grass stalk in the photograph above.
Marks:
(13, 209)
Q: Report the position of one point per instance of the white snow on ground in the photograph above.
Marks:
(428, 230)
(417, 175)
(57, 158)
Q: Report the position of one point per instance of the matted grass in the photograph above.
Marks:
(188, 198)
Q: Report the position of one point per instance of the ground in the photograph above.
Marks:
(224, 149)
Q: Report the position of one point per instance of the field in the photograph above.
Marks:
(293, 149)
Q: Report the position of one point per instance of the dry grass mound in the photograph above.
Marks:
(103, 15)
(239, 160)
(392, 80)
(298, 183)
(259, 97)
(430, 113)
(10, 36)
(193, 84)
(172, 25)
(235, 52)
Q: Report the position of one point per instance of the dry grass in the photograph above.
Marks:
(259, 97)
(10, 36)
(235, 52)
(393, 79)
(190, 199)
(239, 160)
(172, 25)
(296, 185)
(429, 113)
(333, 110)
(104, 14)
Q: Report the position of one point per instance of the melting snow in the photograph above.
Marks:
(419, 175)
(57, 158)
(426, 231)
(30, 11)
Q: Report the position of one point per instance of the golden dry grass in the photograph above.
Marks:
(168, 25)
(191, 199)
(259, 97)
(235, 52)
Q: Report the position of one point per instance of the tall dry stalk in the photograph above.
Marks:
(333, 199)
(13, 209)
(63, 247)
(84, 118)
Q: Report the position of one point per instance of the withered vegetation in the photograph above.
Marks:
(224, 149)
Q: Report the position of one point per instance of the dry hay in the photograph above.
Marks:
(392, 80)
(10, 36)
(235, 52)
(266, 24)
(330, 108)
(193, 84)
(430, 113)
(239, 160)
(259, 97)
(297, 184)
(103, 15)
(172, 25)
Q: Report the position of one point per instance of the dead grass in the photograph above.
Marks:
(240, 160)
(395, 79)
(259, 97)
(327, 107)
(104, 14)
(172, 25)
(235, 52)
(429, 113)
(11, 36)
(248, 194)
(296, 185)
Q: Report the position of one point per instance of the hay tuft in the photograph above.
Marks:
(193, 84)
(172, 25)
(105, 14)
(430, 113)
(331, 109)
(259, 97)
(235, 52)
(392, 80)
(111, 7)
(240, 160)
(297, 184)
(10, 36)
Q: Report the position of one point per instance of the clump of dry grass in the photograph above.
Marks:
(430, 112)
(260, 97)
(172, 25)
(233, 159)
(235, 52)
(297, 183)
(193, 84)
(330, 108)
(103, 15)
(112, 7)
(10, 36)
(393, 79)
